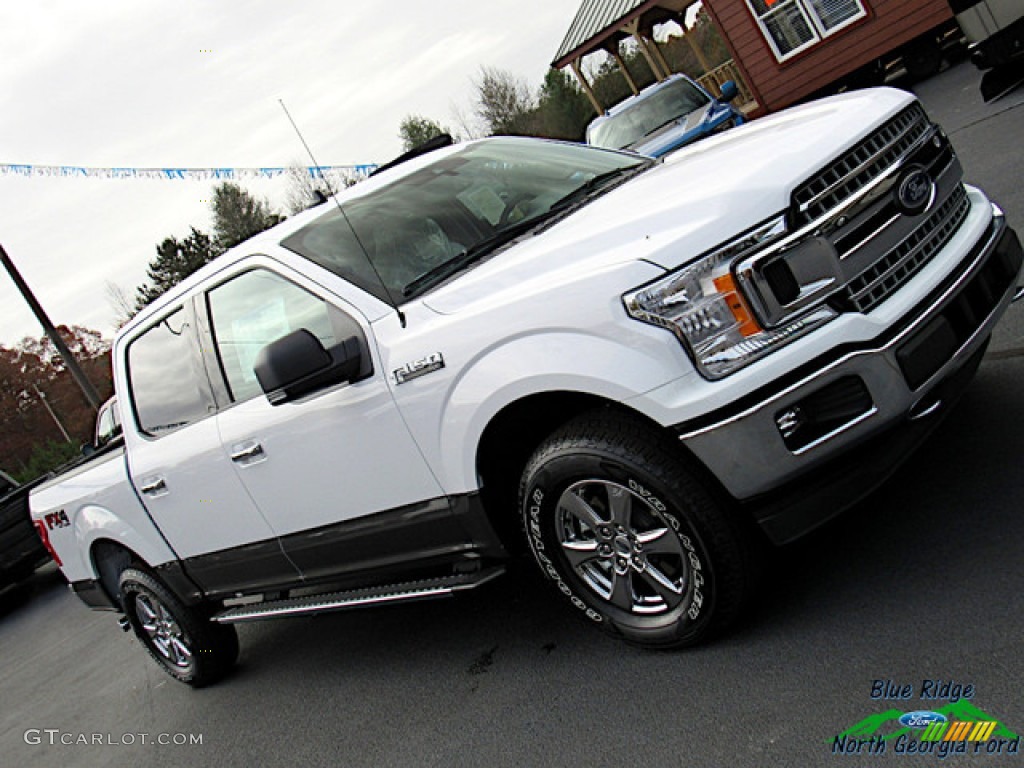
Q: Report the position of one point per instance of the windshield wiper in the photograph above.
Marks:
(474, 253)
(657, 128)
(598, 183)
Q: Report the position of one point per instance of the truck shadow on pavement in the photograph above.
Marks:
(941, 533)
(18, 595)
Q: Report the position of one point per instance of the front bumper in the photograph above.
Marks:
(799, 450)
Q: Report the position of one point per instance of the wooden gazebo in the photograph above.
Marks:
(603, 25)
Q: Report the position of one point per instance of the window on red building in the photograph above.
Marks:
(791, 26)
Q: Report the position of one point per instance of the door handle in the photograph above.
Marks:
(246, 453)
(154, 486)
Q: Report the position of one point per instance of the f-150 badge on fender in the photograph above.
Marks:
(421, 367)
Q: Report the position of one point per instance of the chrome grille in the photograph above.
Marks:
(858, 167)
(872, 286)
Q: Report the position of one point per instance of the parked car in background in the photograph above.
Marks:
(21, 551)
(664, 117)
(7, 484)
(108, 426)
(995, 31)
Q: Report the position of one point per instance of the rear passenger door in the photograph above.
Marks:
(177, 464)
(336, 472)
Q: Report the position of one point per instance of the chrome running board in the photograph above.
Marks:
(358, 598)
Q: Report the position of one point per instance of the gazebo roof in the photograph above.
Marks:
(598, 21)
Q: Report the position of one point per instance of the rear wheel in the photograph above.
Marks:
(625, 531)
(181, 639)
(922, 58)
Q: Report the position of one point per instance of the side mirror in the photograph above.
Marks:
(729, 91)
(298, 364)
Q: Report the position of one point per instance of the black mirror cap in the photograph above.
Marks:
(297, 364)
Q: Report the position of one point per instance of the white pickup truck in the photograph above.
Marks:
(634, 369)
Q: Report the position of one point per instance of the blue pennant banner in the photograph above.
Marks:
(329, 172)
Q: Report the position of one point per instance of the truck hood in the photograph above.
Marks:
(699, 197)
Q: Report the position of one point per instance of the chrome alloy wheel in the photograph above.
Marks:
(622, 548)
(163, 631)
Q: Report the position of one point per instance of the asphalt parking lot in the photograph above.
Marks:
(920, 583)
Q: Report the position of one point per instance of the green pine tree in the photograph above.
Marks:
(175, 260)
(237, 215)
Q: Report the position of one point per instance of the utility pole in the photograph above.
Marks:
(46, 402)
(62, 349)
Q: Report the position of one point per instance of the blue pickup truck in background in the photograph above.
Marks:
(664, 117)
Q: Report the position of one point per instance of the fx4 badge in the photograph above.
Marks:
(57, 519)
(417, 368)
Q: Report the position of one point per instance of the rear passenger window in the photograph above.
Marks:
(254, 309)
(166, 389)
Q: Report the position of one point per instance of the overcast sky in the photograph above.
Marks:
(195, 84)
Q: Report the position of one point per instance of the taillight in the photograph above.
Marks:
(44, 535)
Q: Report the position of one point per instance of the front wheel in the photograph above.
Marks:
(182, 640)
(624, 530)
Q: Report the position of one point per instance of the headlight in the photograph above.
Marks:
(702, 305)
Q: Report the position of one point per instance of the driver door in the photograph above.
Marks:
(335, 472)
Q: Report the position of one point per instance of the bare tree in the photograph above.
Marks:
(124, 308)
(504, 102)
(304, 189)
(468, 125)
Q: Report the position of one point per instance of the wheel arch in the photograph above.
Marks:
(132, 531)
(517, 430)
(108, 559)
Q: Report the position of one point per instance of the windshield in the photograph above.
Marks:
(669, 102)
(440, 212)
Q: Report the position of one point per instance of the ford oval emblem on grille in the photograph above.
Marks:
(915, 192)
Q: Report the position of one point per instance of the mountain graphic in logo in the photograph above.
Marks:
(886, 725)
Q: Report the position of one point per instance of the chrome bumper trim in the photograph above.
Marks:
(745, 450)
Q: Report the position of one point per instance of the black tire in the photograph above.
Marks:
(623, 529)
(922, 59)
(182, 640)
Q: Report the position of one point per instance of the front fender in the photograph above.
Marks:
(614, 369)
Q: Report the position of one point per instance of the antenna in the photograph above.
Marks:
(330, 189)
